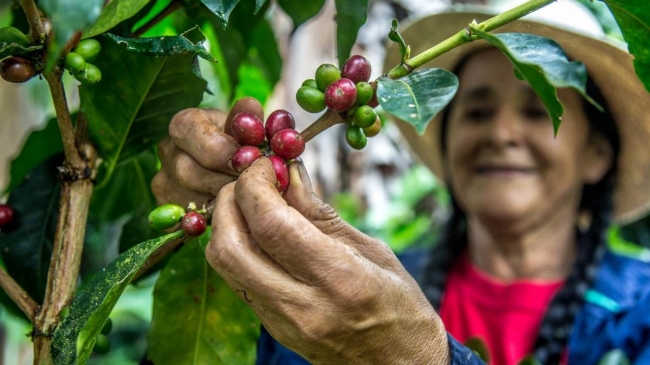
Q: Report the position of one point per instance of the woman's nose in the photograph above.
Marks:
(505, 128)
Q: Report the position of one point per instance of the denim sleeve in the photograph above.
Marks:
(461, 355)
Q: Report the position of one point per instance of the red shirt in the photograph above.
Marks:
(506, 316)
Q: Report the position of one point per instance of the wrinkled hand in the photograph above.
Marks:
(195, 156)
(319, 286)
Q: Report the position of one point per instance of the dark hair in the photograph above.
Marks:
(596, 201)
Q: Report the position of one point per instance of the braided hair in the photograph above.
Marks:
(596, 201)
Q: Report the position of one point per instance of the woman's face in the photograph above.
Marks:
(501, 156)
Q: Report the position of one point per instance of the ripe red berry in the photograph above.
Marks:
(6, 215)
(277, 121)
(341, 95)
(248, 129)
(281, 173)
(194, 224)
(356, 68)
(287, 144)
(244, 157)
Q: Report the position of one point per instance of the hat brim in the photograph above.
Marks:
(610, 68)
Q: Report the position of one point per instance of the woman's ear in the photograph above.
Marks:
(599, 159)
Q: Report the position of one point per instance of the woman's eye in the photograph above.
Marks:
(536, 113)
(478, 114)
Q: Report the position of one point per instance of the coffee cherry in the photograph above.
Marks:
(364, 93)
(14, 35)
(16, 69)
(355, 137)
(6, 215)
(90, 75)
(288, 144)
(74, 62)
(108, 326)
(373, 100)
(310, 99)
(244, 157)
(166, 216)
(356, 68)
(247, 129)
(310, 83)
(374, 129)
(326, 74)
(194, 224)
(364, 116)
(88, 49)
(341, 95)
(277, 121)
(281, 173)
(102, 345)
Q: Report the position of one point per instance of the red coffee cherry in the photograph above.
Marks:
(277, 121)
(16, 69)
(341, 95)
(194, 224)
(244, 157)
(6, 215)
(356, 68)
(281, 173)
(248, 129)
(288, 144)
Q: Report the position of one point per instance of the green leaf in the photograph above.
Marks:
(529, 360)
(26, 248)
(130, 109)
(417, 97)
(614, 357)
(68, 17)
(221, 8)
(217, 326)
(477, 345)
(301, 11)
(258, 5)
(350, 16)
(74, 338)
(633, 17)
(543, 63)
(188, 43)
(14, 42)
(40, 145)
(113, 14)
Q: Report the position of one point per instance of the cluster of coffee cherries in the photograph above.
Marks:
(77, 62)
(6, 215)
(103, 344)
(18, 69)
(277, 139)
(348, 92)
(167, 216)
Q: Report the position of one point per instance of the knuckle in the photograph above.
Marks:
(183, 120)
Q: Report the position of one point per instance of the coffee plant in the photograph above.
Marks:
(136, 64)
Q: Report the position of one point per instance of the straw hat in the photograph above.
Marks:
(609, 66)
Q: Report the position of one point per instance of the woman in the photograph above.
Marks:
(524, 264)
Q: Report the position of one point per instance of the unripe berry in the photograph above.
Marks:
(244, 157)
(166, 216)
(364, 93)
(194, 224)
(374, 129)
(89, 76)
(108, 326)
(16, 69)
(356, 68)
(102, 345)
(74, 62)
(281, 172)
(88, 49)
(277, 121)
(287, 144)
(310, 83)
(364, 116)
(341, 95)
(310, 99)
(6, 215)
(247, 129)
(355, 137)
(326, 74)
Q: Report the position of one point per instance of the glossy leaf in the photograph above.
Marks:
(417, 97)
(543, 63)
(350, 16)
(26, 248)
(221, 8)
(614, 357)
(633, 18)
(40, 145)
(74, 338)
(477, 345)
(130, 109)
(13, 45)
(258, 5)
(301, 11)
(114, 13)
(68, 17)
(187, 43)
(529, 360)
(217, 326)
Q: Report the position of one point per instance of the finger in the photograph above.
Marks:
(217, 117)
(283, 233)
(192, 131)
(301, 197)
(166, 191)
(247, 104)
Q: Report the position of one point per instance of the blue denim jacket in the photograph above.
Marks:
(616, 315)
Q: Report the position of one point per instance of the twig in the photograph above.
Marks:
(18, 295)
(172, 7)
(64, 120)
(328, 119)
(34, 20)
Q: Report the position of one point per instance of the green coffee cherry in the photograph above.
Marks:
(14, 35)
(325, 75)
(310, 99)
(108, 326)
(310, 83)
(374, 129)
(102, 345)
(364, 93)
(355, 137)
(74, 62)
(88, 49)
(364, 116)
(166, 216)
(90, 75)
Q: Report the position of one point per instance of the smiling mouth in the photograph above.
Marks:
(506, 171)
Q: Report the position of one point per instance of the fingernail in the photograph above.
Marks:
(304, 177)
